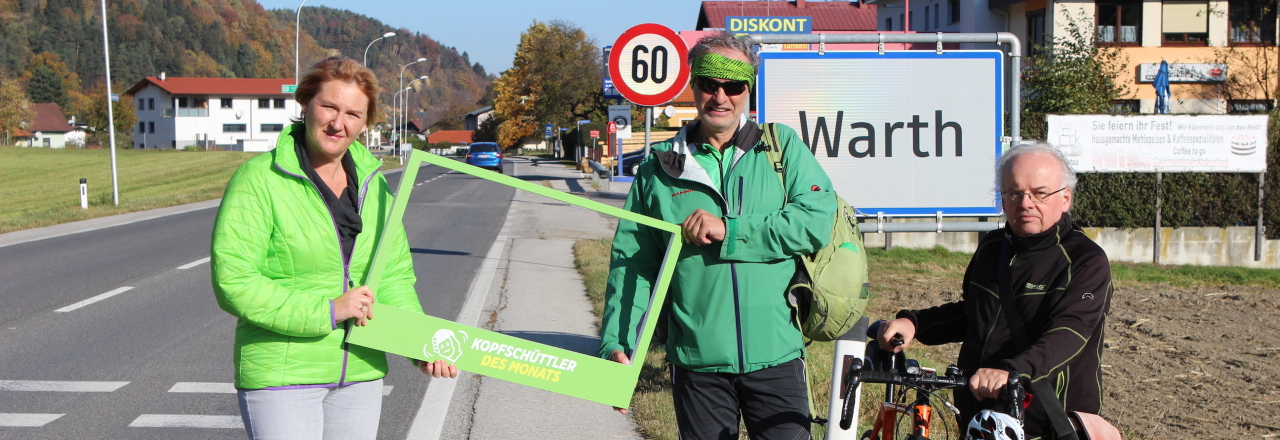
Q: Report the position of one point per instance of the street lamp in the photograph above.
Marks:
(366, 48)
(404, 103)
(111, 116)
(581, 143)
(396, 130)
(297, 30)
(406, 66)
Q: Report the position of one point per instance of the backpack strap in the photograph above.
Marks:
(1061, 425)
(773, 148)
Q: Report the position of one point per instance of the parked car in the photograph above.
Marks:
(631, 162)
(485, 155)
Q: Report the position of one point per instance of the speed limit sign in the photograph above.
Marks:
(649, 64)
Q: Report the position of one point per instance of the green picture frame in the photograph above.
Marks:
(501, 356)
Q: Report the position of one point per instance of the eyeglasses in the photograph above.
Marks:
(709, 86)
(1037, 197)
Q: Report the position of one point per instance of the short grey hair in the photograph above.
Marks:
(725, 40)
(1006, 160)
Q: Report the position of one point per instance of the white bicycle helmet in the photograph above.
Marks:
(991, 425)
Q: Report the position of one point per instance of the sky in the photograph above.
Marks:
(489, 30)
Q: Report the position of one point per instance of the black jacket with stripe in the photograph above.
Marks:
(1062, 285)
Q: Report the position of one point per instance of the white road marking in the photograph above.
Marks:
(204, 387)
(94, 299)
(27, 420)
(386, 390)
(186, 421)
(194, 263)
(428, 423)
(70, 386)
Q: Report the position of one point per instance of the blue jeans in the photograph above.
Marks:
(347, 412)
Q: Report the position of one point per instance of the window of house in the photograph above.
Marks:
(226, 102)
(151, 103)
(888, 24)
(264, 103)
(926, 18)
(182, 102)
(953, 9)
(1126, 106)
(1119, 22)
(140, 106)
(1252, 22)
(1185, 22)
(1249, 106)
(272, 128)
(234, 128)
(142, 127)
(936, 10)
(278, 103)
(1036, 34)
(902, 22)
(151, 127)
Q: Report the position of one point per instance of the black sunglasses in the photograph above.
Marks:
(709, 86)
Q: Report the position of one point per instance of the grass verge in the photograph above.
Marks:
(42, 186)
(896, 274)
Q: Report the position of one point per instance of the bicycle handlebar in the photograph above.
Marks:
(923, 380)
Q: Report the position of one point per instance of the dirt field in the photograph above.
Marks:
(1197, 362)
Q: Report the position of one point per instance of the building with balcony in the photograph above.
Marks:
(236, 114)
(1222, 53)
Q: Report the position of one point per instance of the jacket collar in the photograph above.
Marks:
(679, 163)
(1044, 239)
(284, 156)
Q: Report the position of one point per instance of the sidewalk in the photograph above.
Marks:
(536, 294)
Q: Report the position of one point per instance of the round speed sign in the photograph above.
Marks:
(649, 64)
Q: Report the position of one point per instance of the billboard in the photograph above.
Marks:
(1165, 143)
(903, 132)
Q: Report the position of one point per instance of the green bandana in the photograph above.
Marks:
(719, 66)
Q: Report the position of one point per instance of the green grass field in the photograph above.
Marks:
(42, 186)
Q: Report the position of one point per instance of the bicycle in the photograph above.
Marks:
(895, 370)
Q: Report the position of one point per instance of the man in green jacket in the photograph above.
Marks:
(733, 344)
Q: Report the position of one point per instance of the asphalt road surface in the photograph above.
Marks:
(115, 333)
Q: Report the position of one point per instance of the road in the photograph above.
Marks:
(115, 333)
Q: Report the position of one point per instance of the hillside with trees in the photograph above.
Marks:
(53, 49)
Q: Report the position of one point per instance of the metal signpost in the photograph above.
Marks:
(493, 354)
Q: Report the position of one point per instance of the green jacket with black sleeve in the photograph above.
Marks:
(728, 312)
(277, 265)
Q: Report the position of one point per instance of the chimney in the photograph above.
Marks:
(799, 4)
(162, 73)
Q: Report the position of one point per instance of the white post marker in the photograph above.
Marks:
(84, 193)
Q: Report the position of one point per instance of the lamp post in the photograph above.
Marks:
(394, 130)
(406, 66)
(404, 103)
(581, 143)
(111, 116)
(365, 62)
(297, 30)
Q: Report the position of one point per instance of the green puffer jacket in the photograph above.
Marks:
(728, 311)
(277, 266)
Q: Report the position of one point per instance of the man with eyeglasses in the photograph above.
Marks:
(734, 349)
(1061, 286)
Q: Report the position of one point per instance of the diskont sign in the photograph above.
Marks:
(903, 132)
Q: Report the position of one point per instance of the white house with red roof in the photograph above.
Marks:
(49, 129)
(238, 114)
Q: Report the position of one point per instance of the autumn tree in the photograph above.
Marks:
(97, 119)
(15, 108)
(551, 80)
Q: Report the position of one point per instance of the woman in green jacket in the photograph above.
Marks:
(291, 245)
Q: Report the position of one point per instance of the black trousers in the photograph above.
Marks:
(772, 402)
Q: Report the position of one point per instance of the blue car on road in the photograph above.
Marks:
(485, 155)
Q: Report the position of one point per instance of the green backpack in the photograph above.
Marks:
(829, 291)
